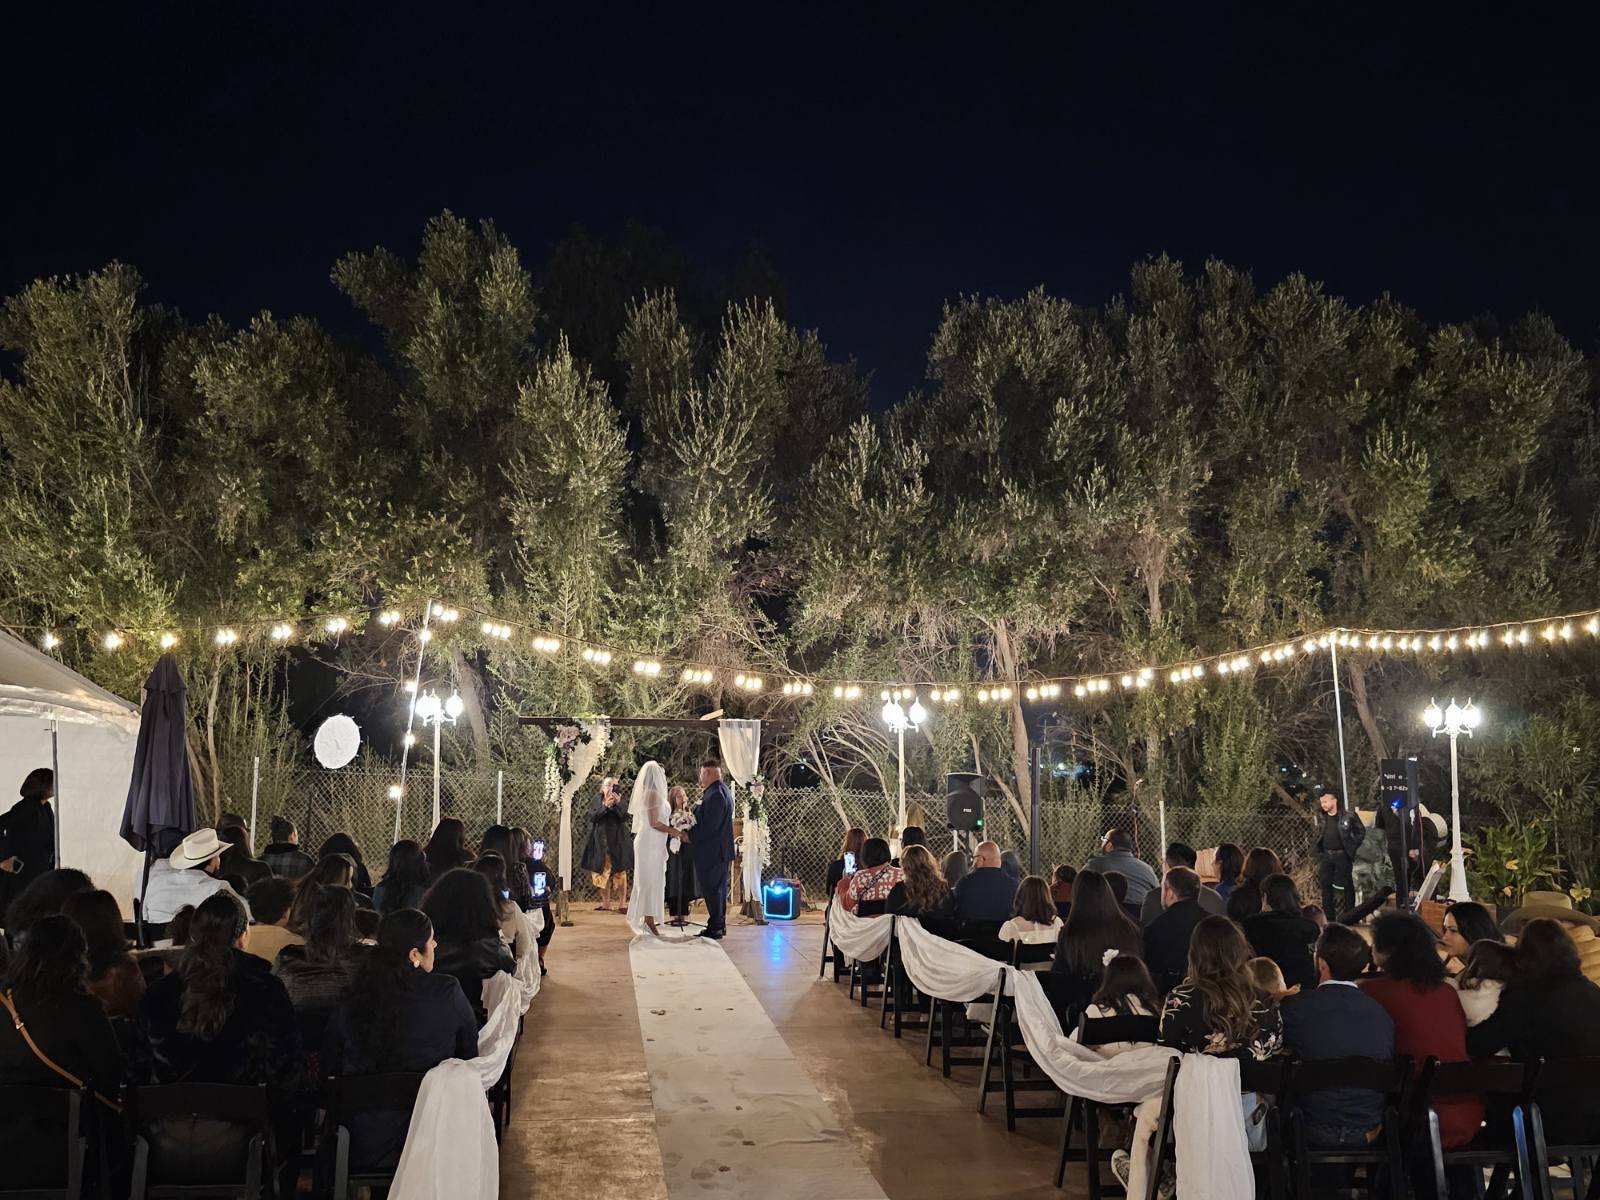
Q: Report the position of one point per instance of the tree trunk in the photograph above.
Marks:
(211, 739)
(1006, 652)
(473, 709)
(1358, 689)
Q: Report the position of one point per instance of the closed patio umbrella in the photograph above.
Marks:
(160, 810)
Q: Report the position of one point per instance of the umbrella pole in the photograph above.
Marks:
(55, 782)
(138, 912)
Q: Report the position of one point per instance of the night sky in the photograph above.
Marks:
(883, 162)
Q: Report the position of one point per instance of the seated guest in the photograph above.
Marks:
(849, 859)
(873, 882)
(1011, 864)
(1217, 1010)
(1548, 1010)
(513, 930)
(45, 996)
(45, 896)
(447, 848)
(1116, 854)
(1336, 1019)
(1490, 966)
(400, 1016)
(1268, 978)
(922, 891)
(1034, 920)
(1283, 934)
(343, 843)
(1181, 855)
(911, 835)
(114, 977)
(466, 922)
(1316, 914)
(238, 867)
(1119, 889)
(1061, 889)
(283, 853)
(507, 843)
(187, 876)
(1248, 898)
(405, 879)
(1095, 925)
(220, 1017)
(337, 870)
(269, 912)
(1583, 929)
(1427, 1014)
(1126, 990)
(1166, 940)
(954, 867)
(318, 974)
(1229, 866)
(985, 893)
(1465, 924)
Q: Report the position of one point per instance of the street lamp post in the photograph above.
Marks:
(1454, 721)
(437, 713)
(901, 719)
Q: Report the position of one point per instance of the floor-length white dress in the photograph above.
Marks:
(649, 849)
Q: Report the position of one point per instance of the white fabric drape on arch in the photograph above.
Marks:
(585, 757)
(862, 939)
(450, 1146)
(741, 754)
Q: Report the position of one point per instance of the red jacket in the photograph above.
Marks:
(1428, 1023)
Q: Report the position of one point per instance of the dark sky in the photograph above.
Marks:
(884, 162)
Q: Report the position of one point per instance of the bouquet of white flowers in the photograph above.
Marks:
(681, 819)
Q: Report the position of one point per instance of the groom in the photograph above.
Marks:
(713, 846)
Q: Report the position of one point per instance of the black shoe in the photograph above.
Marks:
(543, 970)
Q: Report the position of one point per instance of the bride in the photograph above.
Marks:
(650, 810)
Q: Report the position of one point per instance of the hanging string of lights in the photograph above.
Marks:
(444, 620)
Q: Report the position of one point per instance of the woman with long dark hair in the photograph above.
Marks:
(405, 879)
(466, 923)
(318, 974)
(1034, 919)
(1095, 925)
(922, 891)
(447, 848)
(1466, 924)
(513, 931)
(1217, 1009)
(1427, 1013)
(45, 993)
(1284, 934)
(343, 843)
(44, 897)
(541, 884)
(502, 840)
(849, 857)
(114, 977)
(1250, 896)
(337, 870)
(400, 1016)
(1230, 865)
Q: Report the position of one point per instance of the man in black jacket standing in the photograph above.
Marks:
(1166, 941)
(712, 842)
(1338, 838)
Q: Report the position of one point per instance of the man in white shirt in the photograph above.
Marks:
(175, 882)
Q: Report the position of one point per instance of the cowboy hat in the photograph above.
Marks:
(1555, 906)
(199, 848)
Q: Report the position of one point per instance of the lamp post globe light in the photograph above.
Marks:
(1454, 721)
(900, 719)
(436, 712)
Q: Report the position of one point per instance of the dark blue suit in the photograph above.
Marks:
(712, 840)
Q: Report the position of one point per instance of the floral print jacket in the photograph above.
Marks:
(1186, 1027)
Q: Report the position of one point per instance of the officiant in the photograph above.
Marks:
(680, 863)
(609, 852)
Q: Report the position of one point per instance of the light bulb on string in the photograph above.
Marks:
(49, 641)
(168, 641)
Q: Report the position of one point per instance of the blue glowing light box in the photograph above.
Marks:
(780, 900)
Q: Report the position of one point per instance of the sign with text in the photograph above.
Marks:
(1397, 783)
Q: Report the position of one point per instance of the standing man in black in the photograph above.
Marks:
(712, 840)
(1338, 839)
(1411, 844)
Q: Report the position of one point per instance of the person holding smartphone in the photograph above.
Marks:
(849, 858)
(542, 886)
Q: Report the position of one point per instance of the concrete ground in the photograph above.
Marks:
(583, 1124)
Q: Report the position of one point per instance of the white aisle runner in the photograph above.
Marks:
(735, 1114)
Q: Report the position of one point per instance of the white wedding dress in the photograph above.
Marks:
(649, 848)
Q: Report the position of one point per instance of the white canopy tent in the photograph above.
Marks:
(96, 732)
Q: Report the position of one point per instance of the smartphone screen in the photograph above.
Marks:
(538, 848)
(538, 884)
(849, 863)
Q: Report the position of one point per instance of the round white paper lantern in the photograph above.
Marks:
(338, 739)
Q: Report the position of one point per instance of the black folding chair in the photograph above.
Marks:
(246, 1107)
(1574, 1084)
(22, 1100)
(1005, 1046)
(1084, 1113)
(347, 1097)
(900, 997)
(1505, 1154)
(1268, 1081)
(1383, 1159)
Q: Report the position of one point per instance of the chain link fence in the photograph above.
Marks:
(806, 825)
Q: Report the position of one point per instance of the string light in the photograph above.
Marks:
(49, 641)
(647, 667)
(599, 658)
(282, 632)
(424, 636)
(389, 617)
(168, 641)
(396, 791)
(547, 645)
(112, 641)
(335, 626)
(226, 637)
